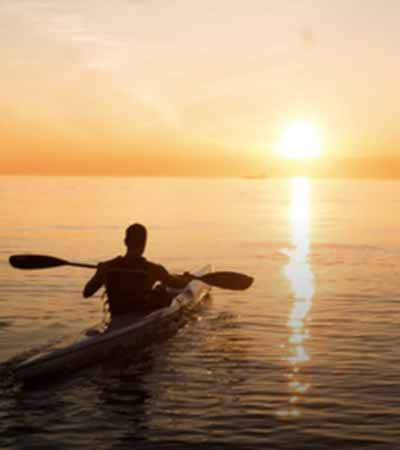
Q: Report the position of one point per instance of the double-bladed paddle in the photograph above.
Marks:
(222, 279)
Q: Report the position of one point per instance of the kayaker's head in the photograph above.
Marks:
(135, 239)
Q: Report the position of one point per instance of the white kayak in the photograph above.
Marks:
(132, 332)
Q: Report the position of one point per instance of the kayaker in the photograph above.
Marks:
(130, 280)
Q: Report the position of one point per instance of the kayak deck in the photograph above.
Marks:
(130, 332)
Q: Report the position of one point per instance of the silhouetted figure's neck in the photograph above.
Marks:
(133, 254)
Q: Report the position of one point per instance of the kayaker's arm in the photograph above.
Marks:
(95, 283)
(173, 281)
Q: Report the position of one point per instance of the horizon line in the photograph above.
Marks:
(202, 176)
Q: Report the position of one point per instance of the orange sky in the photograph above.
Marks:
(187, 87)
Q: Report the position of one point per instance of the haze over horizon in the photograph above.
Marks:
(183, 88)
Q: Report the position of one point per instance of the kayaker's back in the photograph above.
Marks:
(127, 290)
(129, 283)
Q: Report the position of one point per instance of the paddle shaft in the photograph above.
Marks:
(224, 280)
(89, 266)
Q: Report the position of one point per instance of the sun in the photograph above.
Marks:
(301, 140)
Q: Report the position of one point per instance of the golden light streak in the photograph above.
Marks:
(299, 273)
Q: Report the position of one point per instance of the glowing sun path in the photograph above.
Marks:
(298, 272)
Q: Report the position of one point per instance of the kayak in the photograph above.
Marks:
(128, 333)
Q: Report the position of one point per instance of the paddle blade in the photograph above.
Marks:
(228, 280)
(35, 261)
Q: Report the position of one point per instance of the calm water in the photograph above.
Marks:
(308, 358)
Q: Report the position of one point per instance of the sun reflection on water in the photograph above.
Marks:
(301, 278)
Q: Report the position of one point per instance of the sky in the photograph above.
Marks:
(150, 87)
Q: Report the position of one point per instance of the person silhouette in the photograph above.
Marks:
(132, 283)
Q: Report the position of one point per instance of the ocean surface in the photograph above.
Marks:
(307, 358)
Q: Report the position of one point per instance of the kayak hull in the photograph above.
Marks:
(127, 333)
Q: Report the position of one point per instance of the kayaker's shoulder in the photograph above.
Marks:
(111, 263)
(159, 268)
